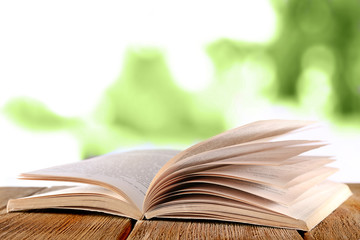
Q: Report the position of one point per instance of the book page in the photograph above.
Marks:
(128, 173)
(280, 195)
(248, 133)
(206, 189)
(264, 153)
(320, 202)
(253, 132)
(85, 197)
(222, 204)
(293, 167)
(272, 175)
(268, 153)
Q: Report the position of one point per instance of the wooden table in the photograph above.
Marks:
(343, 223)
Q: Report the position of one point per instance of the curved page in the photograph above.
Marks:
(128, 173)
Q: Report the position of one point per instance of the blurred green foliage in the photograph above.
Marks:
(35, 115)
(146, 99)
(312, 63)
(315, 55)
(334, 27)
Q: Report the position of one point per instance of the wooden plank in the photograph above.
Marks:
(159, 229)
(60, 224)
(343, 223)
(63, 225)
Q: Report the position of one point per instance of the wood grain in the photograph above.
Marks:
(59, 224)
(159, 229)
(63, 225)
(343, 223)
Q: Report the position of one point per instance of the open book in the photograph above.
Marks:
(244, 175)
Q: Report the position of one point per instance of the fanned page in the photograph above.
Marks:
(247, 175)
(304, 214)
(259, 131)
(127, 173)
